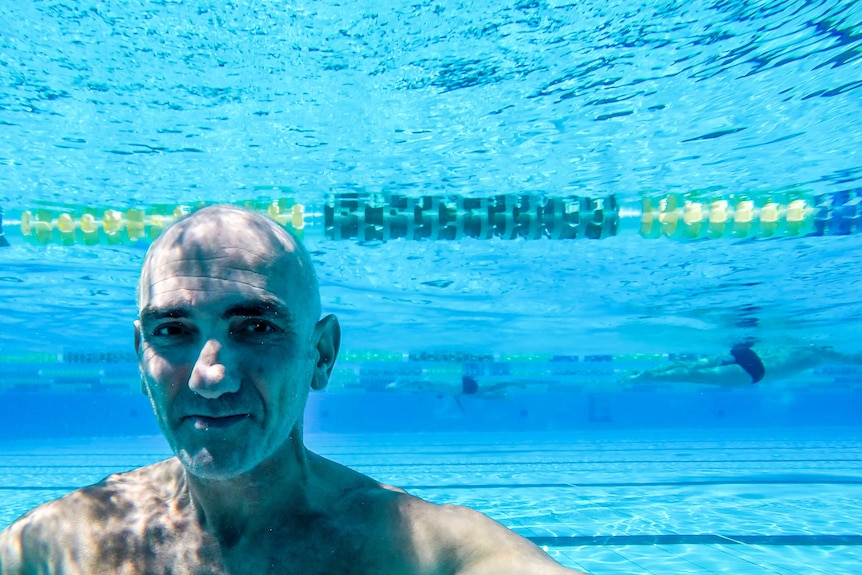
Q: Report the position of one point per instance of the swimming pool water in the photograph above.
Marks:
(133, 104)
(747, 502)
(171, 101)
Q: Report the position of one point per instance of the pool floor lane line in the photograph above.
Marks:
(700, 539)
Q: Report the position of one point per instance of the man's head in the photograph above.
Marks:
(228, 339)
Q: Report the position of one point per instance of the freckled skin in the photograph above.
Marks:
(230, 341)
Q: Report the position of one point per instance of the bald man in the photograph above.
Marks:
(230, 340)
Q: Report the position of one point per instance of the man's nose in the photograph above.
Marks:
(210, 377)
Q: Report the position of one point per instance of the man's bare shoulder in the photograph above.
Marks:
(105, 519)
(118, 495)
(466, 542)
(415, 536)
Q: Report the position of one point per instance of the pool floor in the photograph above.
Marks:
(778, 501)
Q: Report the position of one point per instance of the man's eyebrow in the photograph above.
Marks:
(257, 308)
(252, 308)
(158, 313)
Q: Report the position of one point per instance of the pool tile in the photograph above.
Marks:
(726, 560)
(661, 560)
(608, 561)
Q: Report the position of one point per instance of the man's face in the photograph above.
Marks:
(225, 344)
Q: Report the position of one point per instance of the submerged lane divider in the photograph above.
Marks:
(383, 217)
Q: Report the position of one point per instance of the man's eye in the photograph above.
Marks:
(255, 327)
(170, 330)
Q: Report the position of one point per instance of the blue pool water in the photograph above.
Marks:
(745, 501)
(474, 118)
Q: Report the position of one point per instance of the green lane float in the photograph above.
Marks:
(384, 217)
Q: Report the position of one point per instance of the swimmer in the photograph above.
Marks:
(469, 386)
(743, 366)
(230, 340)
(443, 389)
(4, 243)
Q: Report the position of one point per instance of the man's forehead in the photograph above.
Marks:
(216, 260)
(231, 273)
(224, 297)
(215, 297)
(235, 248)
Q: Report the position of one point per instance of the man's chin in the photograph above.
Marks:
(203, 464)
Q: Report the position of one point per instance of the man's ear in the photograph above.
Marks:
(138, 338)
(138, 354)
(327, 333)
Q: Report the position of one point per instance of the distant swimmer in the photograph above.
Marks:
(447, 389)
(469, 386)
(4, 243)
(744, 366)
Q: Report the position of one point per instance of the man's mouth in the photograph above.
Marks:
(205, 422)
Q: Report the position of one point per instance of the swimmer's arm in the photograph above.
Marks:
(480, 546)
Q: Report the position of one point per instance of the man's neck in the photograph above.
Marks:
(271, 494)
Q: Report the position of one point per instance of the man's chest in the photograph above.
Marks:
(189, 551)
